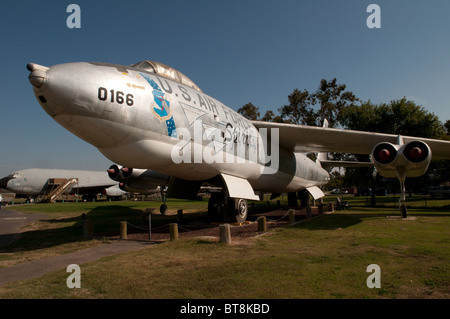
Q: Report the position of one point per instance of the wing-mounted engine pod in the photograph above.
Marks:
(130, 173)
(384, 153)
(114, 172)
(416, 157)
(127, 172)
(408, 160)
(416, 151)
(123, 186)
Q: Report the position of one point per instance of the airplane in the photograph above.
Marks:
(151, 116)
(36, 181)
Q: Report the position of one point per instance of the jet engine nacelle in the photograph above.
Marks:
(115, 173)
(131, 173)
(144, 176)
(401, 161)
(139, 188)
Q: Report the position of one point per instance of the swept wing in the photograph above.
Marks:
(302, 138)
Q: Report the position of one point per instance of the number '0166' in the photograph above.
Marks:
(115, 96)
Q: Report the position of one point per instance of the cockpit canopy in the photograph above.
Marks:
(167, 71)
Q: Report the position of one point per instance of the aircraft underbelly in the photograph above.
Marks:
(295, 172)
(283, 182)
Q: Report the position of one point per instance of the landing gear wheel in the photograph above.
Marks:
(163, 209)
(238, 210)
(216, 207)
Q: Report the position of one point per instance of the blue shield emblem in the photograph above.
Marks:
(161, 106)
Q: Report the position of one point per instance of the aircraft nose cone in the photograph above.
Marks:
(4, 182)
(37, 78)
(38, 74)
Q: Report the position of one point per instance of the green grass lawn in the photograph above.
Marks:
(326, 257)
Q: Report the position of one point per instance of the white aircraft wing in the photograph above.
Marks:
(302, 138)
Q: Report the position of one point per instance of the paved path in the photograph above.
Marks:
(10, 224)
(43, 266)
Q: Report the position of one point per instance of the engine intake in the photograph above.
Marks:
(114, 172)
(384, 153)
(126, 172)
(408, 160)
(416, 151)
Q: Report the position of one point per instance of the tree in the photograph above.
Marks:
(447, 126)
(299, 110)
(401, 117)
(270, 117)
(312, 109)
(332, 99)
(249, 111)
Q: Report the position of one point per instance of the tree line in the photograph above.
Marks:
(342, 109)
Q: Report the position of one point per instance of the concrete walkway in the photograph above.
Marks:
(10, 224)
(43, 266)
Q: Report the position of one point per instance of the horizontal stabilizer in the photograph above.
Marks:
(239, 187)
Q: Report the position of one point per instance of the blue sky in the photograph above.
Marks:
(236, 51)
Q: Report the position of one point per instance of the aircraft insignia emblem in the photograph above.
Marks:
(161, 106)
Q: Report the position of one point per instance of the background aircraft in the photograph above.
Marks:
(151, 116)
(53, 182)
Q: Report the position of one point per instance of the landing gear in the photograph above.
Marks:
(216, 207)
(240, 212)
(163, 207)
(222, 208)
(403, 199)
(404, 211)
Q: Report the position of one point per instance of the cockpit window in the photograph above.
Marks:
(144, 65)
(165, 70)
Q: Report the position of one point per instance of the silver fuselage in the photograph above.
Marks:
(141, 119)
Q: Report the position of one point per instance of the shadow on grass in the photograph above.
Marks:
(356, 215)
(331, 222)
(106, 220)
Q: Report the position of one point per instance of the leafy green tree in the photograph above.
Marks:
(447, 126)
(332, 98)
(313, 108)
(249, 111)
(299, 110)
(269, 116)
(401, 117)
